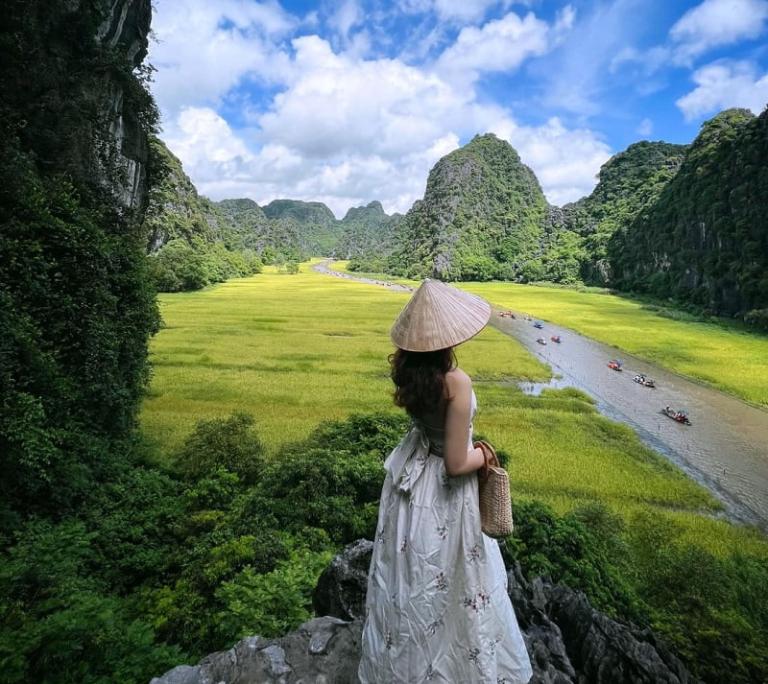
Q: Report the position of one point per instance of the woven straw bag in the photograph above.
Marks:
(495, 500)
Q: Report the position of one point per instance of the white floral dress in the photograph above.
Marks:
(437, 608)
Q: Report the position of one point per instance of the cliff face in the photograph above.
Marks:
(705, 239)
(74, 303)
(366, 230)
(629, 182)
(78, 101)
(482, 215)
(124, 29)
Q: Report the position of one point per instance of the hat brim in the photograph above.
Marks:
(439, 316)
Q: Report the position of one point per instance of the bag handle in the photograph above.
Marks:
(490, 457)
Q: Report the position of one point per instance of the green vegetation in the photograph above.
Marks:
(705, 240)
(366, 233)
(482, 217)
(190, 243)
(76, 309)
(629, 182)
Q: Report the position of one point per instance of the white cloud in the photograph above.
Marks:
(717, 22)
(203, 49)
(499, 45)
(645, 128)
(725, 84)
(347, 15)
(566, 161)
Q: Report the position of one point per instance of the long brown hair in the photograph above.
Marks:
(419, 378)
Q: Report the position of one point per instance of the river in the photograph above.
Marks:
(725, 448)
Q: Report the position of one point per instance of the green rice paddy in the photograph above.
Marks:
(294, 350)
(720, 355)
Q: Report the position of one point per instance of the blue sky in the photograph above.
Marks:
(349, 101)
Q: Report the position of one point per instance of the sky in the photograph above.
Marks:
(351, 101)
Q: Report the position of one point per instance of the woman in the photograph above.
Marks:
(437, 607)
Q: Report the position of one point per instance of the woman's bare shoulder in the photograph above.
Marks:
(457, 380)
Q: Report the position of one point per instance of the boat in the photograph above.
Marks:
(615, 364)
(677, 416)
(556, 338)
(506, 314)
(541, 340)
(640, 379)
(538, 324)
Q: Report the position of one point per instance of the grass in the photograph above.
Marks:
(296, 350)
(291, 349)
(724, 356)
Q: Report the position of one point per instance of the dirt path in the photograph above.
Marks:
(726, 448)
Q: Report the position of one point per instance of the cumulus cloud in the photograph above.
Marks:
(717, 22)
(345, 129)
(725, 84)
(500, 45)
(203, 50)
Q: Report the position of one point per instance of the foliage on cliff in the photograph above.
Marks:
(705, 239)
(628, 183)
(367, 237)
(482, 217)
(76, 309)
(191, 241)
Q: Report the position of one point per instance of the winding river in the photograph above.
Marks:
(725, 448)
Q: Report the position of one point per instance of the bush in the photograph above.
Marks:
(227, 443)
(757, 318)
(180, 265)
(583, 549)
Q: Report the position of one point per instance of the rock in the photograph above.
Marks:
(324, 650)
(340, 591)
(569, 642)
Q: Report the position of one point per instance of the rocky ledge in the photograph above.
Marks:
(568, 640)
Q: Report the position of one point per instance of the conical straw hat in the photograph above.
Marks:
(439, 316)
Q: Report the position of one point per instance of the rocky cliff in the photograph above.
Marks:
(483, 214)
(705, 239)
(568, 640)
(75, 309)
(629, 182)
(366, 230)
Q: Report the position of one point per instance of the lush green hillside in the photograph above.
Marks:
(705, 240)
(482, 216)
(367, 236)
(628, 183)
(316, 226)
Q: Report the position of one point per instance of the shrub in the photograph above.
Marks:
(227, 443)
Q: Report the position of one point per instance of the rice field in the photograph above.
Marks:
(722, 356)
(294, 350)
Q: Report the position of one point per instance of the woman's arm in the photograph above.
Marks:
(458, 459)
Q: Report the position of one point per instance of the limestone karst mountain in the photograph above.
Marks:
(705, 239)
(482, 215)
